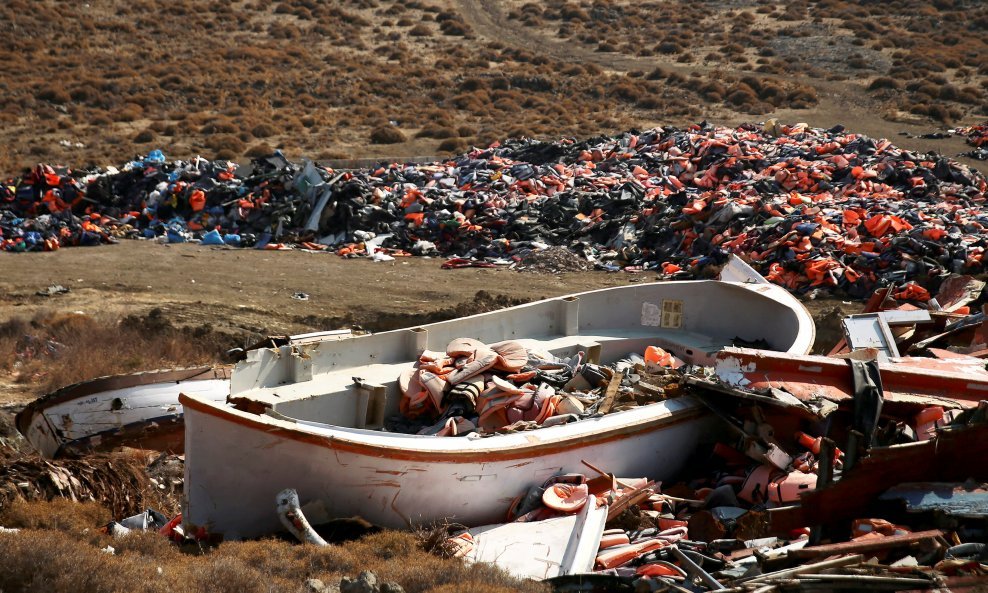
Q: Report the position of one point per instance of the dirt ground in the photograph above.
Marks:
(248, 294)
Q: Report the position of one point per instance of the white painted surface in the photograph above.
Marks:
(236, 461)
(91, 414)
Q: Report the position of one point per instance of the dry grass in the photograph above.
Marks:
(59, 514)
(891, 43)
(289, 71)
(56, 349)
(71, 560)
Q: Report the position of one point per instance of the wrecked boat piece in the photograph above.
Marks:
(135, 410)
(310, 416)
(139, 410)
(813, 380)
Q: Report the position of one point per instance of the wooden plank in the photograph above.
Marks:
(625, 501)
(865, 545)
(610, 393)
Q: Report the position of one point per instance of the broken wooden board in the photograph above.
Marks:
(953, 455)
(864, 546)
(958, 500)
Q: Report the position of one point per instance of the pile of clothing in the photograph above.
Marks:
(486, 389)
(808, 207)
(977, 136)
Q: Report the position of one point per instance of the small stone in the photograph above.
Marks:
(365, 583)
(314, 586)
(392, 588)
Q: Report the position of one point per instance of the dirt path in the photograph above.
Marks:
(840, 102)
(488, 19)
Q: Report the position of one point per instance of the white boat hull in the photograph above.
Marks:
(250, 459)
(308, 417)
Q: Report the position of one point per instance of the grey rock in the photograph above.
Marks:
(392, 588)
(314, 586)
(366, 582)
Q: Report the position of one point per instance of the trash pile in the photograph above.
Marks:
(862, 469)
(634, 535)
(903, 505)
(977, 136)
(810, 208)
(480, 389)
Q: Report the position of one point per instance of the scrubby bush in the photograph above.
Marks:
(144, 136)
(452, 145)
(884, 82)
(387, 134)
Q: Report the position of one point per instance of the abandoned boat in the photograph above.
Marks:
(310, 416)
(139, 410)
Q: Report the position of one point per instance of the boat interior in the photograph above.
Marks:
(353, 383)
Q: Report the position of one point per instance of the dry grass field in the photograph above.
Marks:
(62, 551)
(98, 82)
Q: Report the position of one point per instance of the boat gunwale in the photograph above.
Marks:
(764, 290)
(296, 432)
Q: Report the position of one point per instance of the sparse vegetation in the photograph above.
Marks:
(57, 349)
(386, 134)
(62, 558)
(294, 69)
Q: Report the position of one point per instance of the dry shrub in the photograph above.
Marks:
(419, 572)
(57, 562)
(473, 84)
(227, 575)
(144, 136)
(219, 126)
(949, 92)
(438, 132)
(11, 333)
(802, 97)
(387, 134)
(714, 91)
(226, 142)
(657, 74)
(626, 91)
(649, 102)
(283, 559)
(60, 513)
(48, 561)
(262, 149)
(742, 94)
(884, 82)
(147, 546)
(54, 95)
(89, 347)
(129, 112)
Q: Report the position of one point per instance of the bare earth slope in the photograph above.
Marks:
(111, 78)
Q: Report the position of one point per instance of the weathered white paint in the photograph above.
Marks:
(236, 461)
